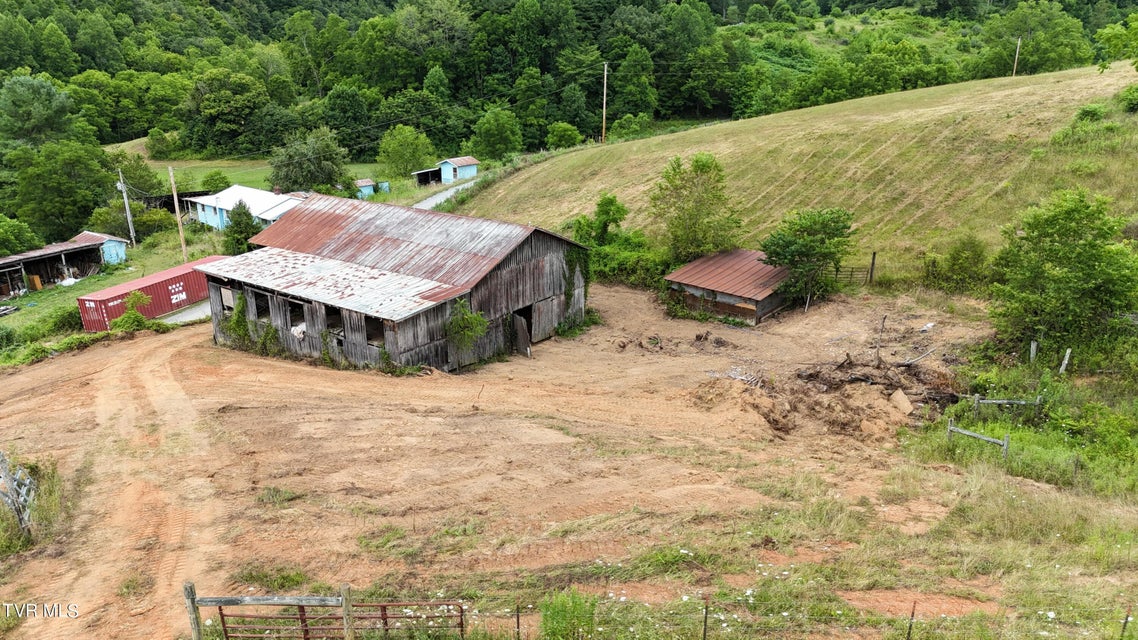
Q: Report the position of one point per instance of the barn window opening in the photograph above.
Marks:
(227, 301)
(334, 324)
(295, 313)
(261, 304)
(373, 327)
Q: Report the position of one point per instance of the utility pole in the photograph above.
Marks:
(178, 215)
(1015, 64)
(126, 203)
(605, 103)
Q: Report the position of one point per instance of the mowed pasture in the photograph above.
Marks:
(917, 168)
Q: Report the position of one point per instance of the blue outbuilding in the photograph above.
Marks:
(368, 187)
(458, 169)
(112, 248)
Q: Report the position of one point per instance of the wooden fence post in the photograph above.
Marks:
(192, 608)
(346, 608)
(1034, 349)
(1007, 439)
(706, 606)
(1066, 357)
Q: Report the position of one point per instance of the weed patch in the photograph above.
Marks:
(271, 578)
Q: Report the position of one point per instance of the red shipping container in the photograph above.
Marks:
(169, 291)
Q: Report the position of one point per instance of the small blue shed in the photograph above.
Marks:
(458, 168)
(113, 249)
(364, 188)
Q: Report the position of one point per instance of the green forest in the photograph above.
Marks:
(491, 78)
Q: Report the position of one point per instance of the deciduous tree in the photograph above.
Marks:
(16, 237)
(1051, 40)
(403, 150)
(59, 185)
(497, 134)
(691, 202)
(812, 244)
(561, 135)
(1064, 275)
(310, 162)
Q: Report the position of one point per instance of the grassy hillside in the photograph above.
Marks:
(917, 168)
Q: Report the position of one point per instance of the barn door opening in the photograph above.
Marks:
(522, 319)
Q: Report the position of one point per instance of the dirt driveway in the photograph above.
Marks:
(172, 440)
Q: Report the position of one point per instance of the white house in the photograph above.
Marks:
(265, 206)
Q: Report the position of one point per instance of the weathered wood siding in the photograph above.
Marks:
(534, 271)
(531, 280)
(216, 310)
(356, 348)
(422, 338)
(717, 302)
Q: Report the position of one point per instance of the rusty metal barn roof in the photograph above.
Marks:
(78, 243)
(449, 249)
(740, 272)
(369, 290)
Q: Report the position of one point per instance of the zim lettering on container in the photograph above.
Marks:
(178, 292)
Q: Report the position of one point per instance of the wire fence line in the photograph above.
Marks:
(618, 618)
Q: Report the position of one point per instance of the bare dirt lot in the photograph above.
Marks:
(177, 449)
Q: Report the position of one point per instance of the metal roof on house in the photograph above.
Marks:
(461, 161)
(368, 290)
(440, 247)
(740, 272)
(50, 250)
(265, 205)
(145, 281)
(94, 236)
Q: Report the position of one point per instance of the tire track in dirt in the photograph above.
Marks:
(147, 427)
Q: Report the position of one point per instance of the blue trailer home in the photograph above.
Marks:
(265, 206)
(458, 169)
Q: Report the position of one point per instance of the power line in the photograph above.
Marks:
(357, 131)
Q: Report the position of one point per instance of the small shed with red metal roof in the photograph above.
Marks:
(738, 283)
(366, 283)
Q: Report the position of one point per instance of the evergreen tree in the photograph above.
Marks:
(241, 227)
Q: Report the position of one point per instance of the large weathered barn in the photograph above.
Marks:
(362, 282)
